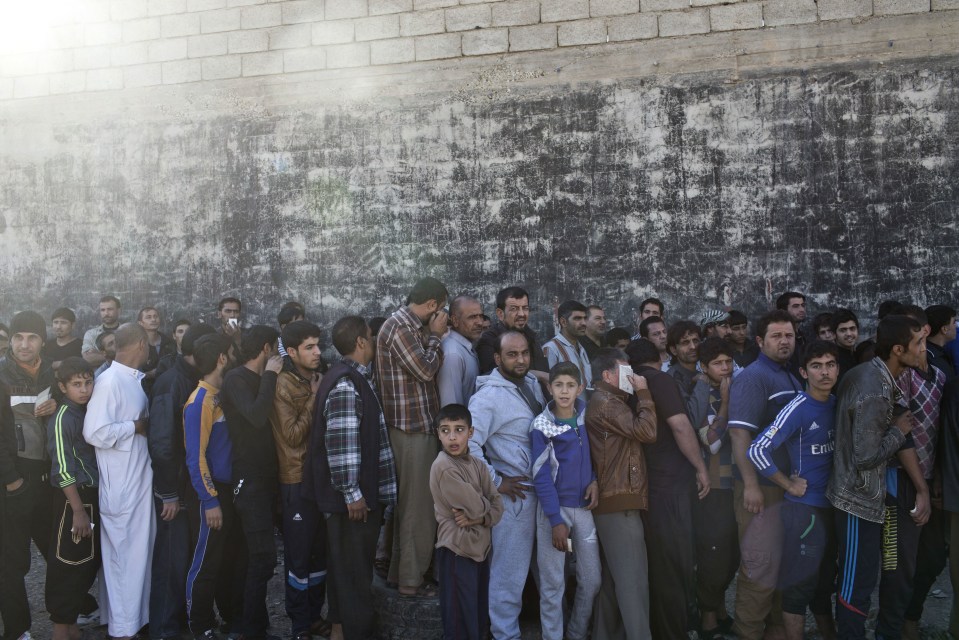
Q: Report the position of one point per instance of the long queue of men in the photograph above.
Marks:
(804, 463)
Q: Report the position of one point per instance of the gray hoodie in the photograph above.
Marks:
(501, 421)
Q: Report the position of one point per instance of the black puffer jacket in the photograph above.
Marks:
(165, 440)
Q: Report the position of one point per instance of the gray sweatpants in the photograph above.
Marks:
(512, 552)
(552, 579)
(622, 606)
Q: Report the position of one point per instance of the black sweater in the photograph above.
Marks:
(247, 401)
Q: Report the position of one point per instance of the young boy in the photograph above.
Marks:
(74, 557)
(568, 491)
(467, 505)
(806, 428)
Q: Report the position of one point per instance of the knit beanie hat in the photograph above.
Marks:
(29, 322)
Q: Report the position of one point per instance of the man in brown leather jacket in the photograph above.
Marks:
(304, 531)
(618, 425)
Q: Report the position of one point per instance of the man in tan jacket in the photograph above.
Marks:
(616, 435)
(304, 531)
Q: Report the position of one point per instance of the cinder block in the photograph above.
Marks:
(165, 7)
(302, 11)
(684, 23)
(348, 55)
(105, 79)
(102, 33)
(333, 32)
(25, 64)
(142, 75)
(343, 9)
(181, 71)
(243, 3)
(392, 51)
(220, 20)
(420, 5)
(484, 42)
(121, 10)
(248, 41)
(782, 12)
(582, 32)
(91, 58)
(263, 64)
(842, 9)
(292, 36)
(143, 29)
(54, 61)
(214, 44)
(663, 5)
(221, 67)
(133, 53)
(613, 7)
(447, 45)
(381, 7)
(377, 28)
(563, 10)
(422, 23)
(96, 11)
(736, 16)
(468, 17)
(267, 15)
(72, 82)
(636, 27)
(944, 5)
(711, 3)
(66, 37)
(515, 14)
(6, 87)
(31, 87)
(304, 60)
(539, 36)
(184, 24)
(899, 7)
(167, 49)
(204, 5)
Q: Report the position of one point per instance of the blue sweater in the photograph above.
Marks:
(806, 427)
(562, 468)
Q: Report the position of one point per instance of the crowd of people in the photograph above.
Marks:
(625, 479)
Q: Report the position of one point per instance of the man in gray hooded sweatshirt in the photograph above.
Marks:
(503, 407)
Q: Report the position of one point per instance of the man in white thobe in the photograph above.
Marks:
(116, 424)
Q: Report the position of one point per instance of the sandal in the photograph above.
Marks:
(425, 590)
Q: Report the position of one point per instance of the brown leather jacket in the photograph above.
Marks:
(292, 419)
(616, 435)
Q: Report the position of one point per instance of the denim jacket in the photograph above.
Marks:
(865, 440)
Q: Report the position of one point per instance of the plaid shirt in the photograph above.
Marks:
(407, 362)
(921, 394)
(343, 411)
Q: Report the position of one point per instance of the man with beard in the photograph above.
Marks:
(567, 346)
(66, 344)
(595, 338)
(109, 320)
(512, 314)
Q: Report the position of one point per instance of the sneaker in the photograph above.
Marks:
(26, 636)
(91, 619)
(209, 634)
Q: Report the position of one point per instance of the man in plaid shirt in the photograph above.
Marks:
(408, 357)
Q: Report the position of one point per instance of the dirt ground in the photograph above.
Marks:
(934, 623)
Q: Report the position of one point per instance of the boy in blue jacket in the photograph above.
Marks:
(567, 489)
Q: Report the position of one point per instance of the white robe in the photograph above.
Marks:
(127, 515)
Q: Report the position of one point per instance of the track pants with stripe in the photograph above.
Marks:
(304, 553)
(860, 554)
(205, 566)
(900, 553)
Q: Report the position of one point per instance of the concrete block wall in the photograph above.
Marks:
(103, 45)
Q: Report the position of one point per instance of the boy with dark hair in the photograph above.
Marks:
(651, 307)
(845, 326)
(617, 338)
(806, 429)
(467, 506)
(66, 345)
(567, 489)
(822, 327)
(72, 566)
(290, 312)
(745, 350)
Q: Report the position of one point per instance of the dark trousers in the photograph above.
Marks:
(304, 554)
(807, 574)
(253, 501)
(27, 516)
(171, 559)
(717, 548)
(464, 595)
(350, 551)
(900, 549)
(204, 577)
(71, 566)
(933, 555)
(860, 554)
(669, 546)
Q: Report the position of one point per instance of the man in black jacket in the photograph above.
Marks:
(512, 313)
(247, 401)
(171, 550)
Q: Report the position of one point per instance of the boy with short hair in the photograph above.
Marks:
(806, 428)
(466, 505)
(74, 557)
(567, 489)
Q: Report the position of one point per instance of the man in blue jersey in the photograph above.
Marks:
(805, 428)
